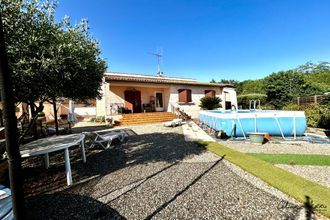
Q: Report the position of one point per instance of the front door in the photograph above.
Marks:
(133, 100)
(159, 102)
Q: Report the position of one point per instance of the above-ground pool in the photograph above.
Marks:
(240, 123)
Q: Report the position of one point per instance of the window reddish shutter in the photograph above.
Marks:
(182, 95)
(210, 93)
(188, 93)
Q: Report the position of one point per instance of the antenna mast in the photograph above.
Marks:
(158, 55)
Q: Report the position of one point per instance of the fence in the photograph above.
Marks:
(308, 100)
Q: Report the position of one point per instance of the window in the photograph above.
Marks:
(210, 93)
(184, 95)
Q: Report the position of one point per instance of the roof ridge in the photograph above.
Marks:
(151, 76)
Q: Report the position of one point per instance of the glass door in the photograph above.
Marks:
(159, 102)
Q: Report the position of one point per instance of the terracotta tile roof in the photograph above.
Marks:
(129, 77)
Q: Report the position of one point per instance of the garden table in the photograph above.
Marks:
(45, 146)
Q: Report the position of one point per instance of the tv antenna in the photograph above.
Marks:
(158, 55)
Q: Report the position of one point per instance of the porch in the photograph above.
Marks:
(142, 98)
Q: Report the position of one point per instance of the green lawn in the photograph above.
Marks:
(289, 183)
(294, 159)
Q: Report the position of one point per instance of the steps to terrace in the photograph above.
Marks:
(144, 118)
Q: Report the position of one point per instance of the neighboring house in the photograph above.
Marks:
(134, 93)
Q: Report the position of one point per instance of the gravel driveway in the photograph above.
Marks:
(156, 175)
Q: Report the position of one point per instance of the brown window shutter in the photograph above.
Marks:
(182, 95)
(188, 91)
(210, 93)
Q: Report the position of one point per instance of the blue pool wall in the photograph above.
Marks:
(264, 124)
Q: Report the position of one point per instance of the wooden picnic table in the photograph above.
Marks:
(45, 146)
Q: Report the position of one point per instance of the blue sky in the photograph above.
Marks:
(220, 39)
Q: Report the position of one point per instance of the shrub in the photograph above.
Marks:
(210, 103)
(243, 100)
(292, 107)
(318, 116)
(267, 107)
(326, 100)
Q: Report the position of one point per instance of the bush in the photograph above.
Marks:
(244, 100)
(318, 116)
(210, 103)
(292, 107)
(267, 107)
(326, 100)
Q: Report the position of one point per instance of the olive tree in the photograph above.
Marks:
(49, 60)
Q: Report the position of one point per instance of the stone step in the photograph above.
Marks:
(144, 118)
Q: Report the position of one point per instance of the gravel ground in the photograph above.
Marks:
(318, 174)
(289, 147)
(155, 174)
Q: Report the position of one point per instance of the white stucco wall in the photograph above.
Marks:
(197, 92)
(232, 94)
(85, 111)
(101, 103)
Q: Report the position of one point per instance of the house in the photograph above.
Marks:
(136, 93)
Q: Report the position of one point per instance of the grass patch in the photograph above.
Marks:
(291, 184)
(294, 159)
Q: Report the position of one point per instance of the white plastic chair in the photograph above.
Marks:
(105, 139)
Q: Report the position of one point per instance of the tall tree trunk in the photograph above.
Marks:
(14, 156)
(1, 118)
(34, 125)
(55, 116)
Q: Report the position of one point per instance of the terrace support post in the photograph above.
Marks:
(55, 116)
(298, 100)
(12, 147)
(315, 99)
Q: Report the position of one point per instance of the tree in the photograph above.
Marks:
(12, 147)
(281, 87)
(310, 67)
(28, 34)
(79, 68)
(49, 60)
(252, 87)
(229, 81)
(209, 103)
(75, 70)
(317, 75)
